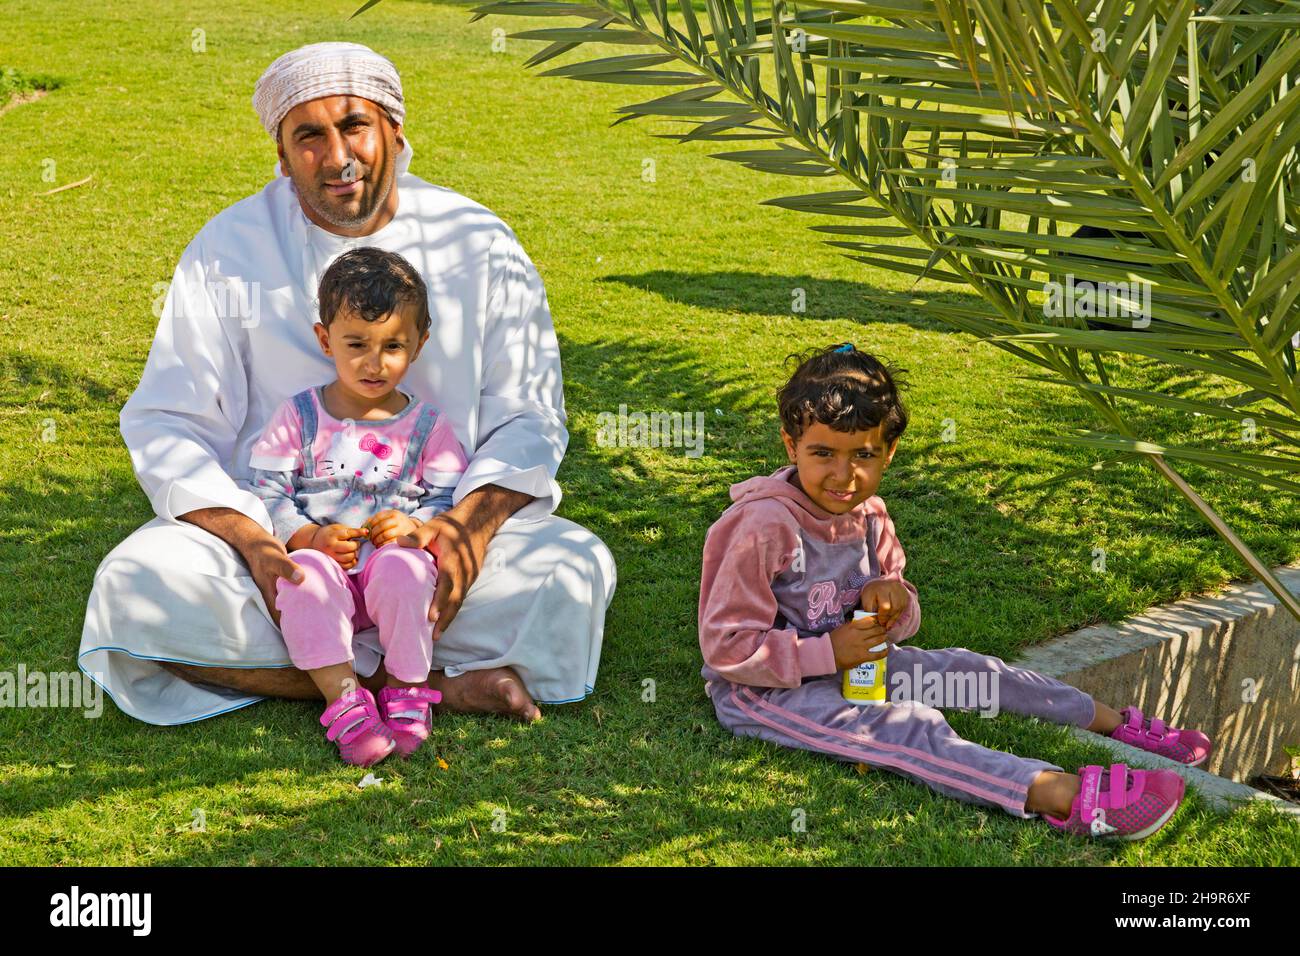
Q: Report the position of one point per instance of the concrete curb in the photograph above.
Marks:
(1227, 664)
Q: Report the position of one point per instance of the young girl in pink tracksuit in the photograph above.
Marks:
(345, 471)
(798, 551)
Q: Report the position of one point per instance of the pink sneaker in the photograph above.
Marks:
(406, 712)
(1190, 747)
(353, 723)
(1121, 803)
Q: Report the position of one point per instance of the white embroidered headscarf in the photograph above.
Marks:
(330, 69)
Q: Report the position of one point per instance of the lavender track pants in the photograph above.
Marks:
(319, 616)
(907, 736)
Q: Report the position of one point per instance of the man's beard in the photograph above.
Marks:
(321, 202)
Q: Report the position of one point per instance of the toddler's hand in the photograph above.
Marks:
(389, 526)
(853, 640)
(889, 599)
(340, 542)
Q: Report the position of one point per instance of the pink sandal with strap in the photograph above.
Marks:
(1190, 747)
(406, 711)
(1122, 804)
(353, 723)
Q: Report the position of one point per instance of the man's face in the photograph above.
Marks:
(839, 470)
(322, 140)
(372, 357)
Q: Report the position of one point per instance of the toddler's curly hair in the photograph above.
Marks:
(843, 388)
(370, 282)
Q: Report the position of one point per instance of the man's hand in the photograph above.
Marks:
(458, 539)
(389, 526)
(853, 641)
(889, 599)
(459, 553)
(268, 561)
(340, 542)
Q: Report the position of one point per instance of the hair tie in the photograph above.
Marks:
(846, 347)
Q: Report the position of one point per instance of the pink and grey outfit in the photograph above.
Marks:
(311, 468)
(779, 574)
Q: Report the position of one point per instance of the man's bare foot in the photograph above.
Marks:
(495, 691)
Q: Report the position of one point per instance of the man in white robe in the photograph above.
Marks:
(181, 623)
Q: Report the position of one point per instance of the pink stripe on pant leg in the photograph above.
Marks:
(911, 752)
(316, 615)
(869, 754)
(398, 584)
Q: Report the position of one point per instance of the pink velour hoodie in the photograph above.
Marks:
(780, 572)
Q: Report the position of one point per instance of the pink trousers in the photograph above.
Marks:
(319, 616)
(909, 735)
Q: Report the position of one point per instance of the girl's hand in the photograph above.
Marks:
(389, 526)
(340, 542)
(889, 599)
(852, 642)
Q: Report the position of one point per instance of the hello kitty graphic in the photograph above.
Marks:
(367, 459)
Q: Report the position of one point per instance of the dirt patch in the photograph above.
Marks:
(1286, 786)
(18, 99)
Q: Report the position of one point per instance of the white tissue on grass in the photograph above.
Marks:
(370, 780)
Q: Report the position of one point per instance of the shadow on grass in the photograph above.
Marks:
(29, 377)
(758, 293)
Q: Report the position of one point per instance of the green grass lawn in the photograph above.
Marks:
(672, 295)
